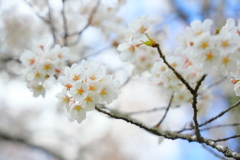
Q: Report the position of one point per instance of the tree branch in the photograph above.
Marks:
(65, 35)
(87, 25)
(146, 111)
(50, 23)
(165, 114)
(219, 126)
(225, 139)
(216, 83)
(36, 13)
(174, 71)
(220, 114)
(194, 92)
(47, 21)
(212, 152)
(168, 134)
(26, 142)
(194, 106)
(214, 118)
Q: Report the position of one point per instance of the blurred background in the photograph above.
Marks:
(37, 129)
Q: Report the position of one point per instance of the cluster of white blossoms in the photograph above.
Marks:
(169, 83)
(43, 65)
(211, 50)
(133, 50)
(85, 85)
(144, 59)
(219, 49)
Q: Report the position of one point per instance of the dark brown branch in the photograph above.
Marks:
(194, 92)
(170, 135)
(165, 114)
(174, 71)
(26, 142)
(65, 35)
(194, 106)
(200, 82)
(50, 23)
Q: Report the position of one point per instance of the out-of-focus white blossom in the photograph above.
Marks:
(204, 50)
(237, 88)
(63, 99)
(199, 28)
(128, 52)
(140, 26)
(86, 85)
(134, 50)
(42, 65)
(138, 29)
(76, 112)
(144, 59)
(207, 50)
(168, 81)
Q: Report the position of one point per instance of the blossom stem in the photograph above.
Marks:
(165, 114)
(174, 71)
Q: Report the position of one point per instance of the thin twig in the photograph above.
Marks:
(200, 82)
(26, 141)
(216, 83)
(36, 13)
(79, 33)
(214, 118)
(96, 52)
(165, 114)
(50, 23)
(126, 81)
(65, 28)
(47, 21)
(220, 126)
(220, 114)
(147, 111)
(225, 139)
(185, 129)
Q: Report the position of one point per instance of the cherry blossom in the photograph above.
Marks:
(84, 86)
(128, 52)
(140, 26)
(42, 65)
